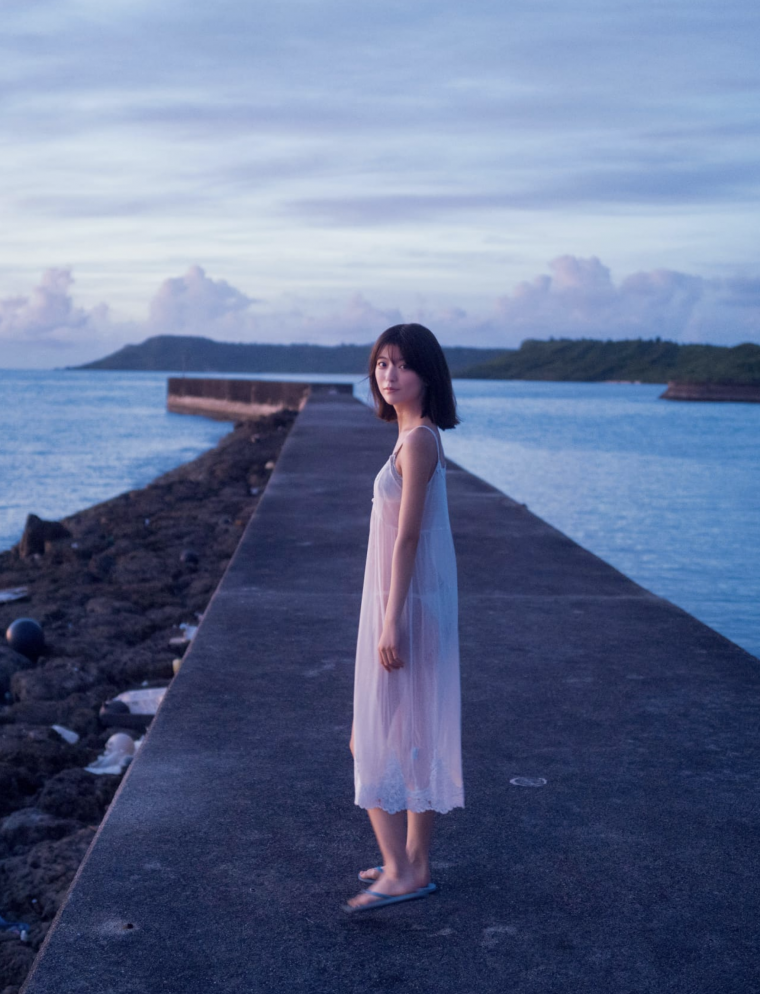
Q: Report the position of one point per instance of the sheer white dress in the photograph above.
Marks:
(407, 722)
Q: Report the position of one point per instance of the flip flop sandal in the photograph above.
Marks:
(384, 899)
(429, 887)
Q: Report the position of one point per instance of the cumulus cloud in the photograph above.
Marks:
(48, 316)
(576, 298)
(195, 303)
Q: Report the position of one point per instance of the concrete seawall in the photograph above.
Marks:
(233, 837)
(230, 400)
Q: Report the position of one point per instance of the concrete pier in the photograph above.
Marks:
(233, 838)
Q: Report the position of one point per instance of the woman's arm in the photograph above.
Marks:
(420, 457)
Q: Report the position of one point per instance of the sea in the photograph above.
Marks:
(667, 492)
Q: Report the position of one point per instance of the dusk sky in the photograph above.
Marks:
(316, 170)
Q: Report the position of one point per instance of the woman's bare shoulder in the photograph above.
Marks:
(422, 448)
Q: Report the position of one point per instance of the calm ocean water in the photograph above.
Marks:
(666, 492)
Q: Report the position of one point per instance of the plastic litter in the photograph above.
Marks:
(66, 733)
(142, 701)
(13, 594)
(188, 633)
(118, 753)
(132, 708)
(22, 928)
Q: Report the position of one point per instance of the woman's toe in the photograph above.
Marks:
(372, 874)
(358, 900)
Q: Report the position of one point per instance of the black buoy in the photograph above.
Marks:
(25, 635)
(189, 557)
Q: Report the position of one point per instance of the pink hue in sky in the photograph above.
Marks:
(577, 298)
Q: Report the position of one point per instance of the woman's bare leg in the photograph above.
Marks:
(399, 876)
(419, 833)
(418, 837)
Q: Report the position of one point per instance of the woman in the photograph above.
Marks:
(405, 738)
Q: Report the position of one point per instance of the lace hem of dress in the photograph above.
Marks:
(392, 796)
(417, 801)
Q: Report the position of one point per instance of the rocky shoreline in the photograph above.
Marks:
(110, 596)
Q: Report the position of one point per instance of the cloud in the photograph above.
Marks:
(196, 304)
(48, 315)
(576, 298)
(579, 299)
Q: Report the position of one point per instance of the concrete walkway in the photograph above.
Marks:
(233, 839)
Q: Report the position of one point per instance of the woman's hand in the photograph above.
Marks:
(388, 646)
(351, 743)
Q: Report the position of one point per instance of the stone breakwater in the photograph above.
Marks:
(110, 597)
(725, 392)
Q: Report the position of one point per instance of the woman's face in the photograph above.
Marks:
(397, 382)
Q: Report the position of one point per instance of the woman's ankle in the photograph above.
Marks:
(418, 860)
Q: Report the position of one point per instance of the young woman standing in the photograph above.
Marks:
(405, 738)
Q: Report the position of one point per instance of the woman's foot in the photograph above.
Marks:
(390, 887)
(420, 874)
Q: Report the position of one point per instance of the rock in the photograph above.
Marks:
(37, 532)
(75, 793)
(165, 617)
(54, 681)
(29, 826)
(17, 786)
(140, 663)
(101, 565)
(78, 712)
(59, 550)
(16, 959)
(39, 750)
(137, 566)
(41, 876)
(108, 605)
(11, 662)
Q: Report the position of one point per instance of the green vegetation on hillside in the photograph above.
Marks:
(590, 360)
(193, 354)
(585, 359)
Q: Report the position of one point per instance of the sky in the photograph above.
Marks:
(317, 170)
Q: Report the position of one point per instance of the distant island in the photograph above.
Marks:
(683, 367)
(195, 354)
(633, 360)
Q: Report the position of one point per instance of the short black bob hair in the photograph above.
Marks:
(421, 352)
